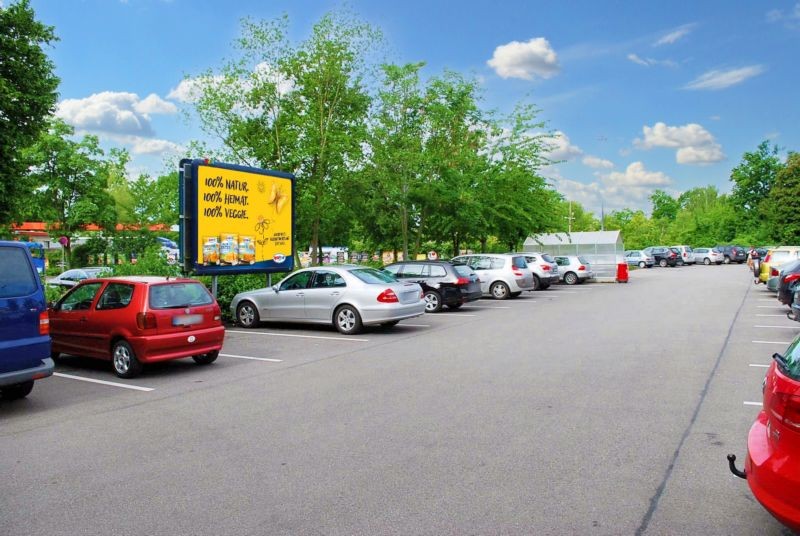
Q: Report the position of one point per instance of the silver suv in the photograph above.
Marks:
(502, 275)
(544, 268)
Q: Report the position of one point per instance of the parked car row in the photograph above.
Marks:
(664, 256)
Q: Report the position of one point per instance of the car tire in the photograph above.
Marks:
(454, 306)
(570, 278)
(500, 290)
(206, 359)
(433, 301)
(545, 286)
(16, 391)
(642, 264)
(727, 260)
(680, 263)
(55, 355)
(537, 284)
(662, 263)
(124, 360)
(707, 261)
(347, 320)
(247, 315)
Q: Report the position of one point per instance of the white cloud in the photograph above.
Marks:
(152, 146)
(190, 89)
(597, 163)
(525, 60)
(695, 144)
(647, 62)
(561, 148)
(790, 18)
(674, 36)
(636, 175)
(716, 79)
(185, 91)
(114, 113)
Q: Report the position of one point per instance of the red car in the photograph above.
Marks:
(772, 468)
(135, 320)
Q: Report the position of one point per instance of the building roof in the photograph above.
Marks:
(579, 238)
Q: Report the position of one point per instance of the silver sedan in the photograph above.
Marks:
(348, 297)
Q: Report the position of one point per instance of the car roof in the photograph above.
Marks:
(146, 279)
(423, 261)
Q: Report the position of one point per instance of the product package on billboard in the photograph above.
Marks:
(210, 250)
(247, 250)
(229, 249)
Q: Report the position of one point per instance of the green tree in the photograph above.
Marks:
(571, 215)
(665, 207)
(70, 181)
(27, 96)
(155, 201)
(752, 181)
(784, 202)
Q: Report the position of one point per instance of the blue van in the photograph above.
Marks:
(24, 323)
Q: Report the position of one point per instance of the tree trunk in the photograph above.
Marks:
(483, 244)
(404, 230)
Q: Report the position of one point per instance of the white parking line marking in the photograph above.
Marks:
(457, 315)
(746, 403)
(352, 339)
(767, 299)
(784, 316)
(759, 365)
(253, 358)
(416, 325)
(495, 307)
(776, 306)
(772, 342)
(778, 327)
(102, 382)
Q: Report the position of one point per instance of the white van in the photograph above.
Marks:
(687, 255)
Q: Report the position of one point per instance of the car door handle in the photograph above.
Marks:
(83, 319)
(300, 294)
(335, 293)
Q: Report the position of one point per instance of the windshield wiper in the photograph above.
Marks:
(781, 360)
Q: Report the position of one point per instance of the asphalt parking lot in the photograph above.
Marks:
(592, 409)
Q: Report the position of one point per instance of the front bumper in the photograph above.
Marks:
(773, 474)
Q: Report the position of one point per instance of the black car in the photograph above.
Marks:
(787, 279)
(663, 255)
(734, 254)
(443, 282)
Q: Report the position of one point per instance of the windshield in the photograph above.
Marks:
(790, 361)
(373, 276)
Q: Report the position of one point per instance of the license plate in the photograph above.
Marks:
(186, 320)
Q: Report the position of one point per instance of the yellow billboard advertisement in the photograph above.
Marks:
(243, 219)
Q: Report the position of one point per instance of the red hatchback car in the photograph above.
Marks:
(134, 320)
(772, 468)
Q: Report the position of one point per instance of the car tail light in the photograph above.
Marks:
(462, 281)
(791, 277)
(517, 272)
(773, 272)
(146, 320)
(388, 296)
(545, 267)
(44, 323)
(581, 268)
(786, 408)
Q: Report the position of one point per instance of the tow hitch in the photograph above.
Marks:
(732, 466)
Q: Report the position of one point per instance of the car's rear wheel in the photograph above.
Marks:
(499, 290)
(727, 260)
(124, 360)
(433, 302)
(347, 320)
(206, 359)
(16, 391)
(545, 286)
(662, 263)
(642, 264)
(536, 283)
(707, 261)
(570, 278)
(680, 262)
(247, 315)
(55, 355)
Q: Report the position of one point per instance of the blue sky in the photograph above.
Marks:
(645, 95)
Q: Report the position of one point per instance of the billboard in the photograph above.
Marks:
(236, 219)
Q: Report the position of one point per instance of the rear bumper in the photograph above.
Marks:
(154, 348)
(38, 372)
(379, 314)
(773, 475)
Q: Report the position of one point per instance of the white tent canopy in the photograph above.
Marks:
(603, 249)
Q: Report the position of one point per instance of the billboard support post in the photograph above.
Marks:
(214, 286)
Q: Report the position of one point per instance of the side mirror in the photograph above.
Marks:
(275, 288)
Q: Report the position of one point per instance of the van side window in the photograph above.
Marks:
(16, 276)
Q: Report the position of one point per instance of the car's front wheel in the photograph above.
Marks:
(727, 260)
(16, 391)
(347, 320)
(206, 359)
(536, 283)
(433, 302)
(124, 360)
(662, 263)
(642, 264)
(570, 278)
(499, 290)
(247, 315)
(707, 261)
